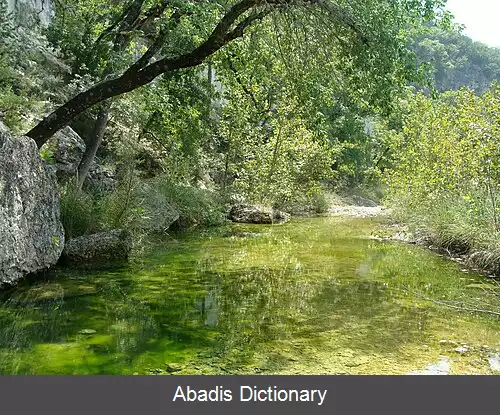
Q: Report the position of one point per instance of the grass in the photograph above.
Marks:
(460, 225)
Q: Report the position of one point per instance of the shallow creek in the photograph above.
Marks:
(313, 296)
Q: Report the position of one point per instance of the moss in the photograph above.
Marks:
(313, 296)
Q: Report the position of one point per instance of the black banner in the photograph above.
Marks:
(126, 395)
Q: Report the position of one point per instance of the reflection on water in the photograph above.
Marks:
(311, 296)
(440, 368)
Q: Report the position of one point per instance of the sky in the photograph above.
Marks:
(481, 18)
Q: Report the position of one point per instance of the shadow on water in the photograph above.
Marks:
(312, 296)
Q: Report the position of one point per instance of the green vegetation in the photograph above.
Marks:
(313, 296)
(294, 101)
(185, 109)
(456, 60)
(446, 174)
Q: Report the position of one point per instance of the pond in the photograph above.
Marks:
(313, 296)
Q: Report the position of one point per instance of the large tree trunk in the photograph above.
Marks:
(96, 140)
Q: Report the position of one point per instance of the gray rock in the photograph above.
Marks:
(67, 149)
(101, 178)
(87, 331)
(442, 367)
(361, 201)
(31, 233)
(256, 214)
(104, 246)
(462, 349)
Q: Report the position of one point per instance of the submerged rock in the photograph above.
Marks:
(31, 233)
(87, 331)
(257, 214)
(442, 367)
(104, 246)
(462, 349)
(174, 367)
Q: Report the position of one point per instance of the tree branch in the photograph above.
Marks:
(222, 34)
(342, 16)
(154, 48)
(132, 80)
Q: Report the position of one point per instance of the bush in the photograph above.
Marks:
(80, 211)
(445, 177)
(193, 206)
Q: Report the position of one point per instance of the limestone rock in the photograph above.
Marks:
(100, 247)
(174, 367)
(31, 233)
(256, 214)
(101, 178)
(361, 201)
(66, 148)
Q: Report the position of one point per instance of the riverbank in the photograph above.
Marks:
(485, 260)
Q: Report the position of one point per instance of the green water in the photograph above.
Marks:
(314, 296)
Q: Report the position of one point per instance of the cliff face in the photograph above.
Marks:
(31, 233)
(26, 10)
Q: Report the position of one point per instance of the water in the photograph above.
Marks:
(314, 296)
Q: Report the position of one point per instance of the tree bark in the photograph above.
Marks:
(97, 136)
(127, 21)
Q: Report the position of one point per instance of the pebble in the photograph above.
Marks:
(462, 349)
(174, 367)
(451, 342)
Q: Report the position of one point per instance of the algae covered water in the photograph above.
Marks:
(313, 296)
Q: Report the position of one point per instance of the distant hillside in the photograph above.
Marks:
(458, 60)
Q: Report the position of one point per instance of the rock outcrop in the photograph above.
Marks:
(256, 214)
(361, 201)
(66, 149)
(31, 233)
(101, 178)
(100, 247)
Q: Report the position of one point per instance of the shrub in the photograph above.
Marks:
(194, 206)
(79, 211)
(446, 170)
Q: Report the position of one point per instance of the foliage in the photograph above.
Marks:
(272, 163)
(446, 172)
(79, 211)
(194, 206)
(29, 73)
(456, 60)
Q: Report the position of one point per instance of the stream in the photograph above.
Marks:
(312, 296)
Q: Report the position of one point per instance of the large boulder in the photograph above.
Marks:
(100, 247)
(256, 214)
(66, 149)
(31, 233)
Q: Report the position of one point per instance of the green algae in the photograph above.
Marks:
(313, 296)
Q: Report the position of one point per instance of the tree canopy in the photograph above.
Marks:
(364, 40)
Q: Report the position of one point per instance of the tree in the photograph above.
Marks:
(368, 34)
(446, 164)
(456, 59)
